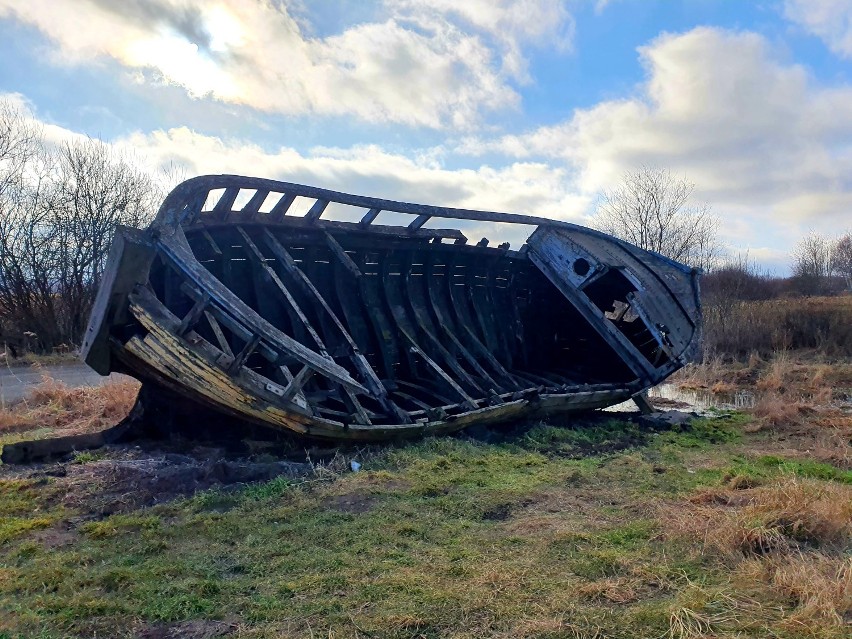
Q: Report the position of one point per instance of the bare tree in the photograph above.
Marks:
(20, 141)
(812, 263)
(841, 258)
(58, 209)
(96, 188)
(652, 209)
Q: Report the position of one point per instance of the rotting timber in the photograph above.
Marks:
(386, 325)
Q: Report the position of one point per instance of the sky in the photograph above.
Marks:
(527, 106)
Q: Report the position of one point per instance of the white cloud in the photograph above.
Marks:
(511, 23)
(522, 187)
(767, 146)
(427, 64)
(829, 20)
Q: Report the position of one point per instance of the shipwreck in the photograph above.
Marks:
(345, 317)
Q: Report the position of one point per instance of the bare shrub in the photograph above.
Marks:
(765, 326)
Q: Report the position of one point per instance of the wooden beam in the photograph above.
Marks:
(194, 314)
(342, 256)
(298, 381)
(252, 207)
(233, 307)
(244, 354)
(417, 303)
(226, 203)
(407, 331)
(371, 379)
(281, 207)
(257, 258)
(419, 221)
(217, 252)
(297, 222)
(316, 210)
(218, 334)
(369, 216)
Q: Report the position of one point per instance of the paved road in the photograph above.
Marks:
(16, 381)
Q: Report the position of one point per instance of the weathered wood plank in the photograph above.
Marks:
(621, 346)
(277, 213)
(218, 334)
(129, 263)
(191, 318)
(226, 203)
(342, 256)
(220, 296)
(244, 354)
(259, 261)
(252, 207)
(440, 293)
(407, 331)
(369, 216)
(316, 211)
(372, 381)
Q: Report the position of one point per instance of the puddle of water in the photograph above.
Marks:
(704, 400)
(698, 401)
(701, 401)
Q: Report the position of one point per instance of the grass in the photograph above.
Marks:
(736, 327)
(35, 359)
(730, 526)
(53, 409)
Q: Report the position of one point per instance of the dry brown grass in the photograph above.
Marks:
(705, 613)
(821, 323)
(758, 520)
(774, 410)
(786, 542)
(53, 405)
(617, 590)
(723, 388)
(817, 585)
(777, 374)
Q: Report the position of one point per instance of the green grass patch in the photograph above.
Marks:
(584, 439)
(770, 466)
(120, 525)
(546, 531)
(11, 527)
(87, 456)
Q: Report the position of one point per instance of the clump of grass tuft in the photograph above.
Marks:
(11, 527)
(778, 373)
(118, 524)
(774, 517)
(817, 585)
(86, 456)
(751, 473)
(613, 434)
(774, 410)
(54, 406)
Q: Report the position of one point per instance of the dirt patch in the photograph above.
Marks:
(187, 630)
(128, 478)
(355, 503)
(566, 510)
(56, 537)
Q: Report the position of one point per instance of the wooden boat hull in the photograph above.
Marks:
(366, 331)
